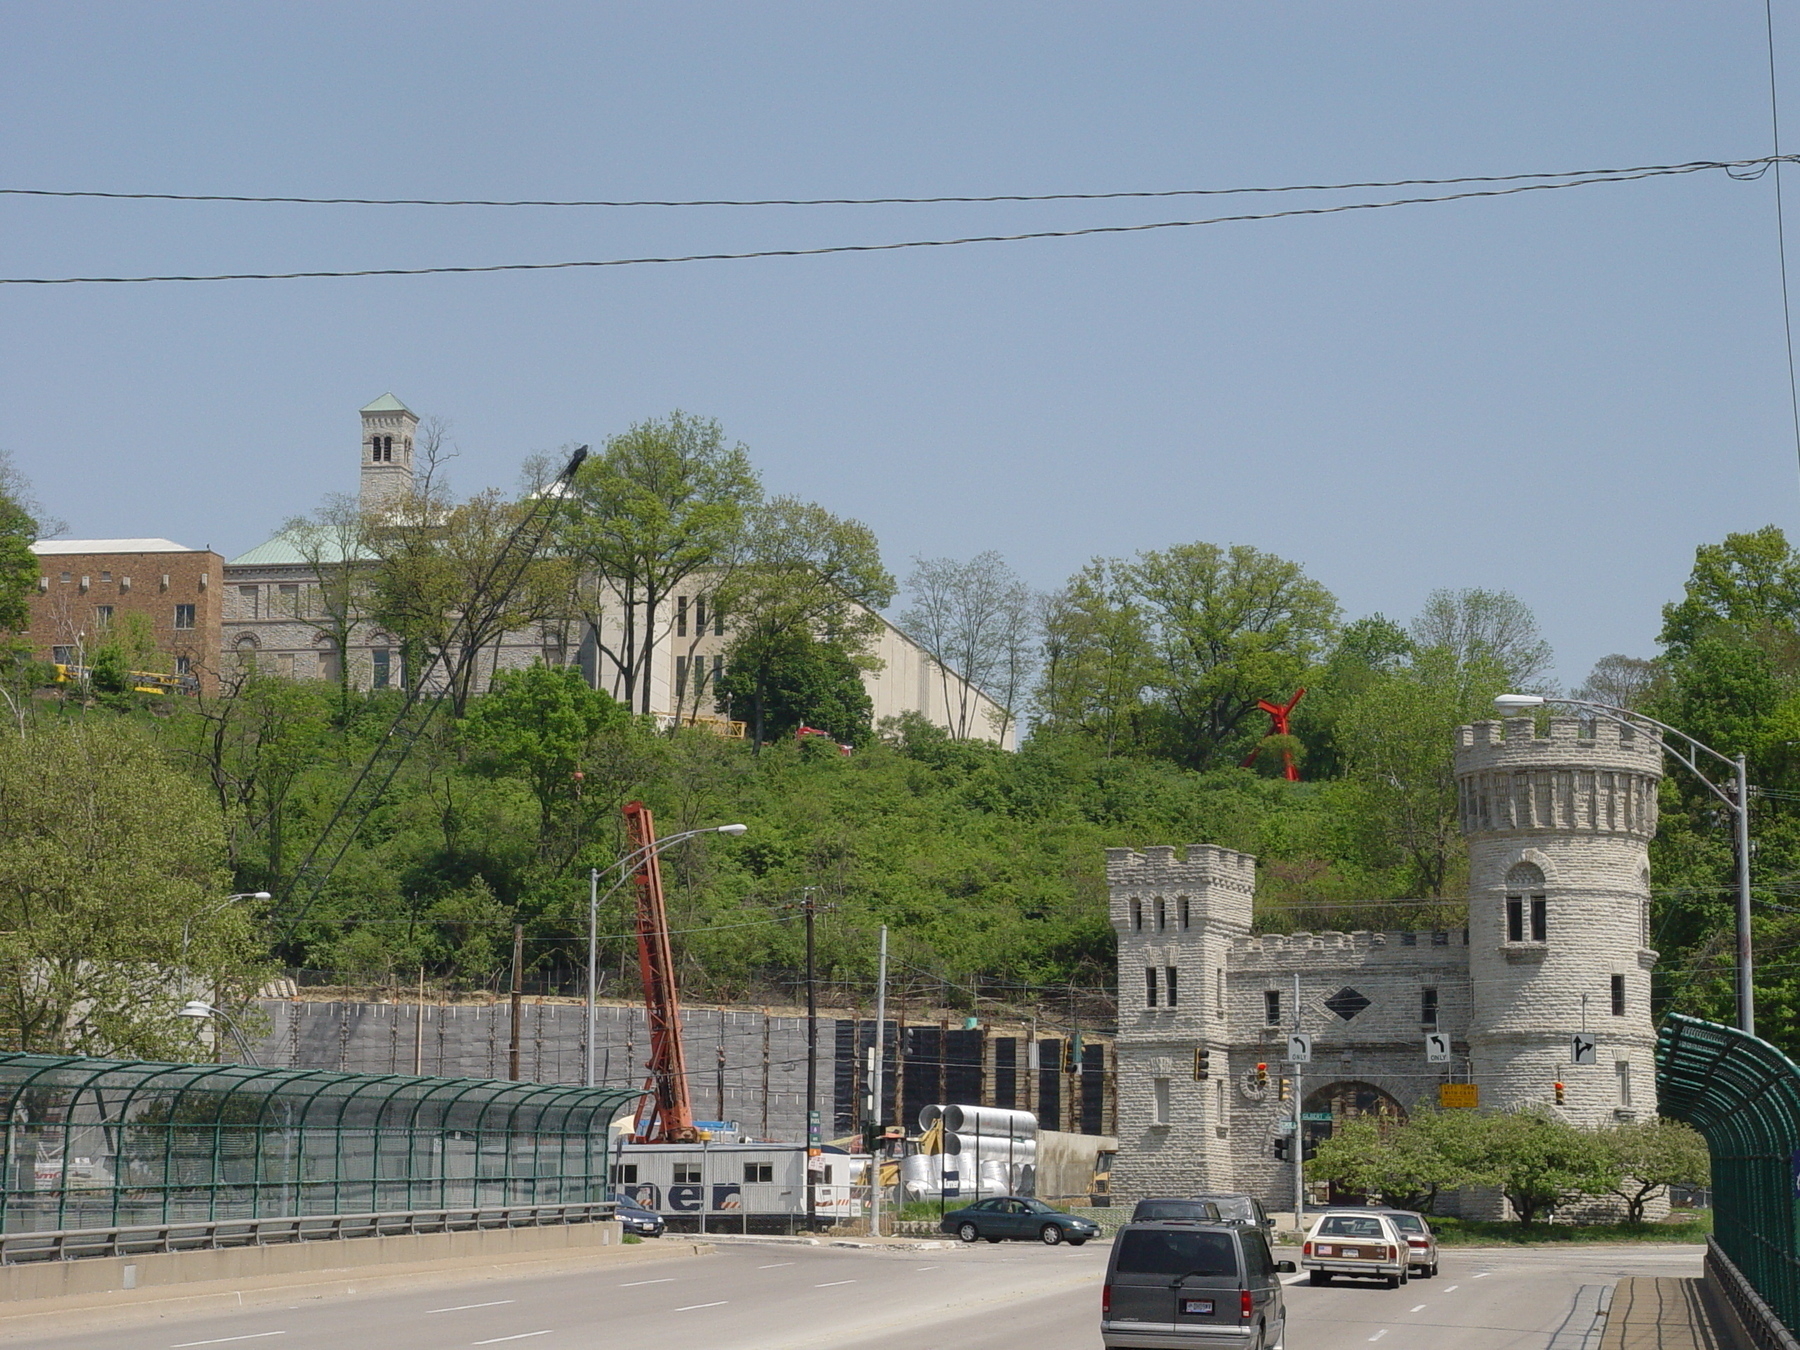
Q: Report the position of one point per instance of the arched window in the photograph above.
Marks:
(1162, 914)
(246, 651)
(1527, 909)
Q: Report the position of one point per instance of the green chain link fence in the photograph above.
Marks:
(1743, 1095)
(96, 1143)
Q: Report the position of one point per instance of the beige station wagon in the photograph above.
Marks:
(1353, 1243)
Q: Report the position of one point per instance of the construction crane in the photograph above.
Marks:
(665, 1116)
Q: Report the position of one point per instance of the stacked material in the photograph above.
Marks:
(972, 1151)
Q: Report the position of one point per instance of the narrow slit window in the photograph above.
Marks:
(1149, 986)
(1623, 1069)
(1540, 919)
(1428, 1007)
(1162, 914)
(1171, 986)
(681, 616)
(1618, 995)
(1184, 911)
(699, 616)
(1272, 1007)
(1137, 916)
(1515, 918)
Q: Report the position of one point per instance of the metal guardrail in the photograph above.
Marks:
(199, 1235)
(1756, 1318)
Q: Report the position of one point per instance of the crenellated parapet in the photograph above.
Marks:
(1158, 891)
(1583, 776)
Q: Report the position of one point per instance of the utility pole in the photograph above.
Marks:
(1299, 1125)
(593, 948)
(812, 1067)
(419, 1028)
(879, 1148)
(518, 990)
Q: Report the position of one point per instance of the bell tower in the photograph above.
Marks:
(387, 452)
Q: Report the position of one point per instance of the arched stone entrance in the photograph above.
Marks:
(1351, 1099)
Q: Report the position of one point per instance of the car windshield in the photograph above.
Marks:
(1350, 1226)
(1236, 1208)
(1037, 1207)
(1149, 1251)
(1408, 1223)
(1175, 1209)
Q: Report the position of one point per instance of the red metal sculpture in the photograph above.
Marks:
(1279, 713)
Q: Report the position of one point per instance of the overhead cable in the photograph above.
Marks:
(881, 248)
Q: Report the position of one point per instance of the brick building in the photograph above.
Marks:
(87, 585)
(1557, 942)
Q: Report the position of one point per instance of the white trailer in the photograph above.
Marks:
(750, 1180)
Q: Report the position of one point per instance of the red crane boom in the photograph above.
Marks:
(666, 1116)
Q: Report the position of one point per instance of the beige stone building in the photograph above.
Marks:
(273, 615)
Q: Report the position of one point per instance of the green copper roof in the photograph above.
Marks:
(387, 403)
(281, 551)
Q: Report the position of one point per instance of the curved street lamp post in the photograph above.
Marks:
(1736, 799)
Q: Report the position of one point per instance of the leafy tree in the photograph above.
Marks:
(1097, 659)
(19, 529)
(661, 507)
(1407, 1165)
(801, 573)
(111, 877)
(1623, 681)
(1230, 627)
(334, 542)
(976, 619)
(1750, 582)
(1480, 627)
(129, 644)
(1541, 1163)
(795, 681)
(1652, 1155)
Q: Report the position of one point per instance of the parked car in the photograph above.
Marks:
(1355, 1242)
(1177, 1283)
(1200, 1211)
(1421, 1242)
(634, 1218)
(1018, 1216)
(1236, 1207)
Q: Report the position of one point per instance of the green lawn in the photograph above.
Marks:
(1479, 1233)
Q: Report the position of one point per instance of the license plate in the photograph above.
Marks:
(1354, 1253)
(1197, 1305)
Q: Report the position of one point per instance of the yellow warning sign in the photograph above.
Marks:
(1466, 1095)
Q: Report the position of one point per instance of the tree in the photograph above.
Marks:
(111, 877)
(795, 681)
(1229, 627)
(1541, 1163)
(1652, 1155)
(1486, 627)
(128, 645)
(662, 506)
(334, 542)
(1623, 681)
(800, 572)
(975, 619)
(1406, 1164)
(535, 725)
(1750, 582)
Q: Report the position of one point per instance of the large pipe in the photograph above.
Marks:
(990, 1146)
(989, 1120)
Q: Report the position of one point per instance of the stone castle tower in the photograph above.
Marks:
(1558, 828)
(387, 451)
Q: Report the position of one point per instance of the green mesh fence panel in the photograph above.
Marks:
(96, 1143)
(1743, 1095)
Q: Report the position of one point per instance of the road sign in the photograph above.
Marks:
(1582, 1048)
(1464, 1095)
(1299, 1048)
(1437, 1048)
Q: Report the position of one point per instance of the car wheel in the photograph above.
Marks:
(968, 1232)
(1050, 1235)
(1394, 1282)
(1434, 1269)
(1405, 1275)
(993, 1239)
(1076, 1242)
(1320, 1276)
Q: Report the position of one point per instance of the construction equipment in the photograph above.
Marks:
(665, 1115)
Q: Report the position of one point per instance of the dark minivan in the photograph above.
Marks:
(1175, 1283)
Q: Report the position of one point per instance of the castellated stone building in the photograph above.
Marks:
(1557, 941)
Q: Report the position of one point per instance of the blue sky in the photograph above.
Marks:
(1560, 394)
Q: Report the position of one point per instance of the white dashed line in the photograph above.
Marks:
(925, 1267)
(221, 1340)
(1420, 1308)
(464, 1307)
(690, 1307)
(1484, 1274)
(830, 1283)
(667, 1279)
(522, 1336)
(1451, 1288)
(1378, 1335)
(776, 1266)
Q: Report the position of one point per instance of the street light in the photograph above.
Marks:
(623, 867)
(187, 924)
(1736, 800)
(199, 1009)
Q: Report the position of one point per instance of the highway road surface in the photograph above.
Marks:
(1017, 1296)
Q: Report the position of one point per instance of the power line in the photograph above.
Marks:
(1659, 172)
(864, 201)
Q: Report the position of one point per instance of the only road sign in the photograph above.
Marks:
(1437, 1048)
(1582, 1048)
(1299, 1048)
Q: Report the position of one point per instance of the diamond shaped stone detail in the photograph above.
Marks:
(1346, 1003)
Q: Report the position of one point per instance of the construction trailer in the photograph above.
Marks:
(739, 1187)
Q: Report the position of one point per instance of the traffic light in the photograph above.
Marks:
(1202, 1065)
(1559, 1093)
(1281, 1149)
(1281, 1089)
(1262, 1075)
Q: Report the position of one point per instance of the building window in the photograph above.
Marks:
(681, 668)
(246, 652)
(106, 576)
(1137, 916)
(757, 1173)
(184, 665)
(1184, 911)
(681, 616)
(1159, 1101)
(687, 1174)
(718, 622)
(1618, 995)
(1428, 1007)
(699, 616)
(624, 1174)
(1515, 918)
(1220, 973)
(63, 656)
(382, 663)
(184, 616)
(1149, 986)
(1518, 911)
(67, 577)
(1540, 919)
(1162, 914)
(1171, 986)
(103, 616)
(1272, 1007)
(250, 601)
(1623, 1069)
(381, 449)
(1221, 1104)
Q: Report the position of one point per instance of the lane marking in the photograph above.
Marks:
(777, 1266)
(1484, 1274)
(830, 1283)
(221, 1340)
(1420, 1308)
(464, 1307)
(924, 1267)
(522, 1336)
(1378, 1335)
(690, 1307)
(667, 1279)
(1451, 1288)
